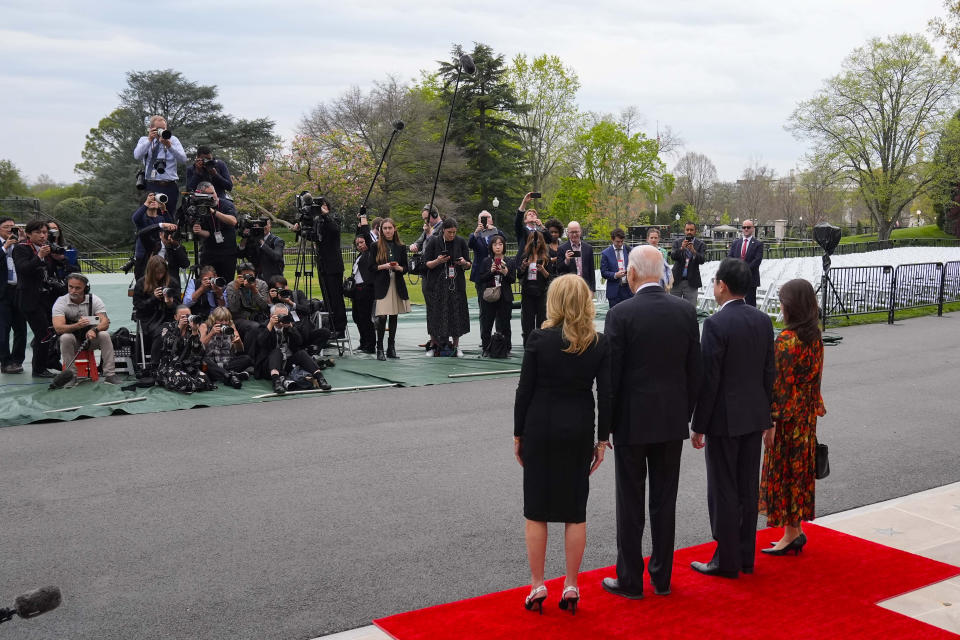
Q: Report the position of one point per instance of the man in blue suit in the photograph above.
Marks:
(750, 250)
(613, 268)
(733, 411)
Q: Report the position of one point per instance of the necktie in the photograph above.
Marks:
(743, 249)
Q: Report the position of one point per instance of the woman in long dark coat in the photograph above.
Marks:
(553, 428)
(447, 258)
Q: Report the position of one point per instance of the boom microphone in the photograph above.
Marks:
(67, 375)
(398, 125)
(397, 128)
(466, 66)
(32, 604)
(466, 63)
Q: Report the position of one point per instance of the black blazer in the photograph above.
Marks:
(150, 311)
(329, 255)
(366, 269)
(556, 388)
(30, 270)
(586, 255)
(738, 372)
(655, 366)
(270, 257)
(381, 279)
(177, 259)
(3, 271)
(486, 277)
(679, 257)
(753, 259)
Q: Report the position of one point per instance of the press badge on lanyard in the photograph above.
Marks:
(451, 271)
(532, 271)
(217, 237)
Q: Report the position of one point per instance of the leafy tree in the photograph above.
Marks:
(192, 113)
(879, 121)
(484, 126)
(11, 182)
(550, 90)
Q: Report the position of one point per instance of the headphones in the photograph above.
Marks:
(81, 277)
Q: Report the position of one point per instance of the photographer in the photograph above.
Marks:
(67, 261)
(37, 289)
(248, 301)
(279, 348)
(203, 297)
(688, 254)
(223, 348)
(264, 251)
(206, 168)
(178, 354)
(10, 315)
(326, 234)
(160, 151)
(314, 338)
(149, 220)
(174, 253)
(217, 227)
(479, 242)
(81, 316)
(155, 297)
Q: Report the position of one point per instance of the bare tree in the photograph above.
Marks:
(695, 175)
(819, 186)
(755, 192)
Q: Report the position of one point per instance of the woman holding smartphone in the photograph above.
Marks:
(389, 287)
(496, 271)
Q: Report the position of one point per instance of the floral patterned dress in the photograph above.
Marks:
(787, 482)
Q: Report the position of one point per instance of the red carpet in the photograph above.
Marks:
(829, 591)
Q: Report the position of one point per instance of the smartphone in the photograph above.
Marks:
(445, 253)
(576, 254)
(497, 261)
(535, 194)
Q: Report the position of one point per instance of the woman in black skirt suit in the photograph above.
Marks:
(553, 428)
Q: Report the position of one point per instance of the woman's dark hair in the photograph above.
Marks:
(553, 223)
(449, 223)
(35, 225)
(800, 311)
(735, 273)
(536, 248)
(155, 274)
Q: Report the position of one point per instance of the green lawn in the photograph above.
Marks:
(927, 231)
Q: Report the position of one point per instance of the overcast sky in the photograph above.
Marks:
(725, 76)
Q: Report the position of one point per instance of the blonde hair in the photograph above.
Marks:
(570, 307)
(221, 315)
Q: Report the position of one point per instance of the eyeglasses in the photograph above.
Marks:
(746, 226)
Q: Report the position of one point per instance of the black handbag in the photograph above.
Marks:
(349, 287)
(823, 461)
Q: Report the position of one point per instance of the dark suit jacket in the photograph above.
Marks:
(679, 257)
(586, 252)
(3, 271)
(176, 259)
(487, 278)
(608, 268)
(381, 279)
(270, 257)
(329, 255)
(481, 249)
(754, 256)
(738, 372)
(30, 270)
(655, 366)
(366, 269)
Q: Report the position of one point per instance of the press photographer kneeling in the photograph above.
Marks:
(280, 353)
(223, 348)
(178, 354)
(80, 318)
(314, 338)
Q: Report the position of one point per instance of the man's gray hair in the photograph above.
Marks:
(647, 262)
(203, 185)
(155, 118)
(274, 308)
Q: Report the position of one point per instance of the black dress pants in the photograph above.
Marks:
(533, 311)
(12, 318)
(333, 285)
(662, 461)
(300, 358)
(233, 365)
(733, 489)
(362, 313)
(40, 322)
(498, 313)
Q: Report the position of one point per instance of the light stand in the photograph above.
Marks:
(466, 64)
(828, 237)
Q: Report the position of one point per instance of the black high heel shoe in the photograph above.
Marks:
(570, 602)
(535, 600)
(796, 546)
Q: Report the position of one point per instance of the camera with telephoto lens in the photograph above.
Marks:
(309, 214)
(161, 198)
(195, 319)
(208, 163)
(284, 320)
(220, 282)
(165, 134)
(253, 227)
(196, 209)
(129, 264)
(285, 293)
(56, 249)
(226, 330)
(160, 166)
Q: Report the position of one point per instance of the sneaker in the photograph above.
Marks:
(114, 379)
(243, 375)
(12, 368)
(428, 354)
(459, 352)
(44, 373)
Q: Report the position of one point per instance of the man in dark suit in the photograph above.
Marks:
(688, 253)
(750, 250)
(733, 409)
(655, 370)
(10, 315)
(330, 266)
(576, 256)
(613, 268)
(267, 253)
(35, 265)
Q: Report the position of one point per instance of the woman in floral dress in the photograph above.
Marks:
(787, 482)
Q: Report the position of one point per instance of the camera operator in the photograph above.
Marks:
(159, 151)
(150, 219)
(279, 348)
(203, 297)
(219, 233)
(35, 264)
(248, 301)
(224, 351)
(81, 316)
(265, 252)
(206, 168)
(329, 261)
(174, 253)
(178, 354)
(314, 338)
(11, 317)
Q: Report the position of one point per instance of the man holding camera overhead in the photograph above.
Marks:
(206, 168)
(217, 227)
(160, 151)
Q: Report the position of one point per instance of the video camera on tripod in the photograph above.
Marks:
(254, 228)
(310, 213)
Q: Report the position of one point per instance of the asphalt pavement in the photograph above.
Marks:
(295, 519)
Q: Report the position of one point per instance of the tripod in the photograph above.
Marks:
(307, 263)
(827, 287)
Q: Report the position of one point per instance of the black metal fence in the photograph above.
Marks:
(854, 291)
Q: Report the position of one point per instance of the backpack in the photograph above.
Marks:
(498, 346)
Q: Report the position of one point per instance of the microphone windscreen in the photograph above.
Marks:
(398, 125)
(62, 379)
(466, 63)
(37, 601)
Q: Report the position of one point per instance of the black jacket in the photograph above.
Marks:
(679, 257)
(177, 259)
(221, 181)
(269, 257)
(212, 248)
(738, 372)
(528, 287)
(366, 269)
(438, 275)
(30, 278)
(486, 277)
(329, 254)
(150, 311)
(753, 258)
(586, 257)
(381, 281)
(655, 366)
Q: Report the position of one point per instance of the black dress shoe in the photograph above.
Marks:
(661, 591)
(46, 373)
(612, 585)
(392, 353)
(747, 570)
(380, 355)
(711, 569)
